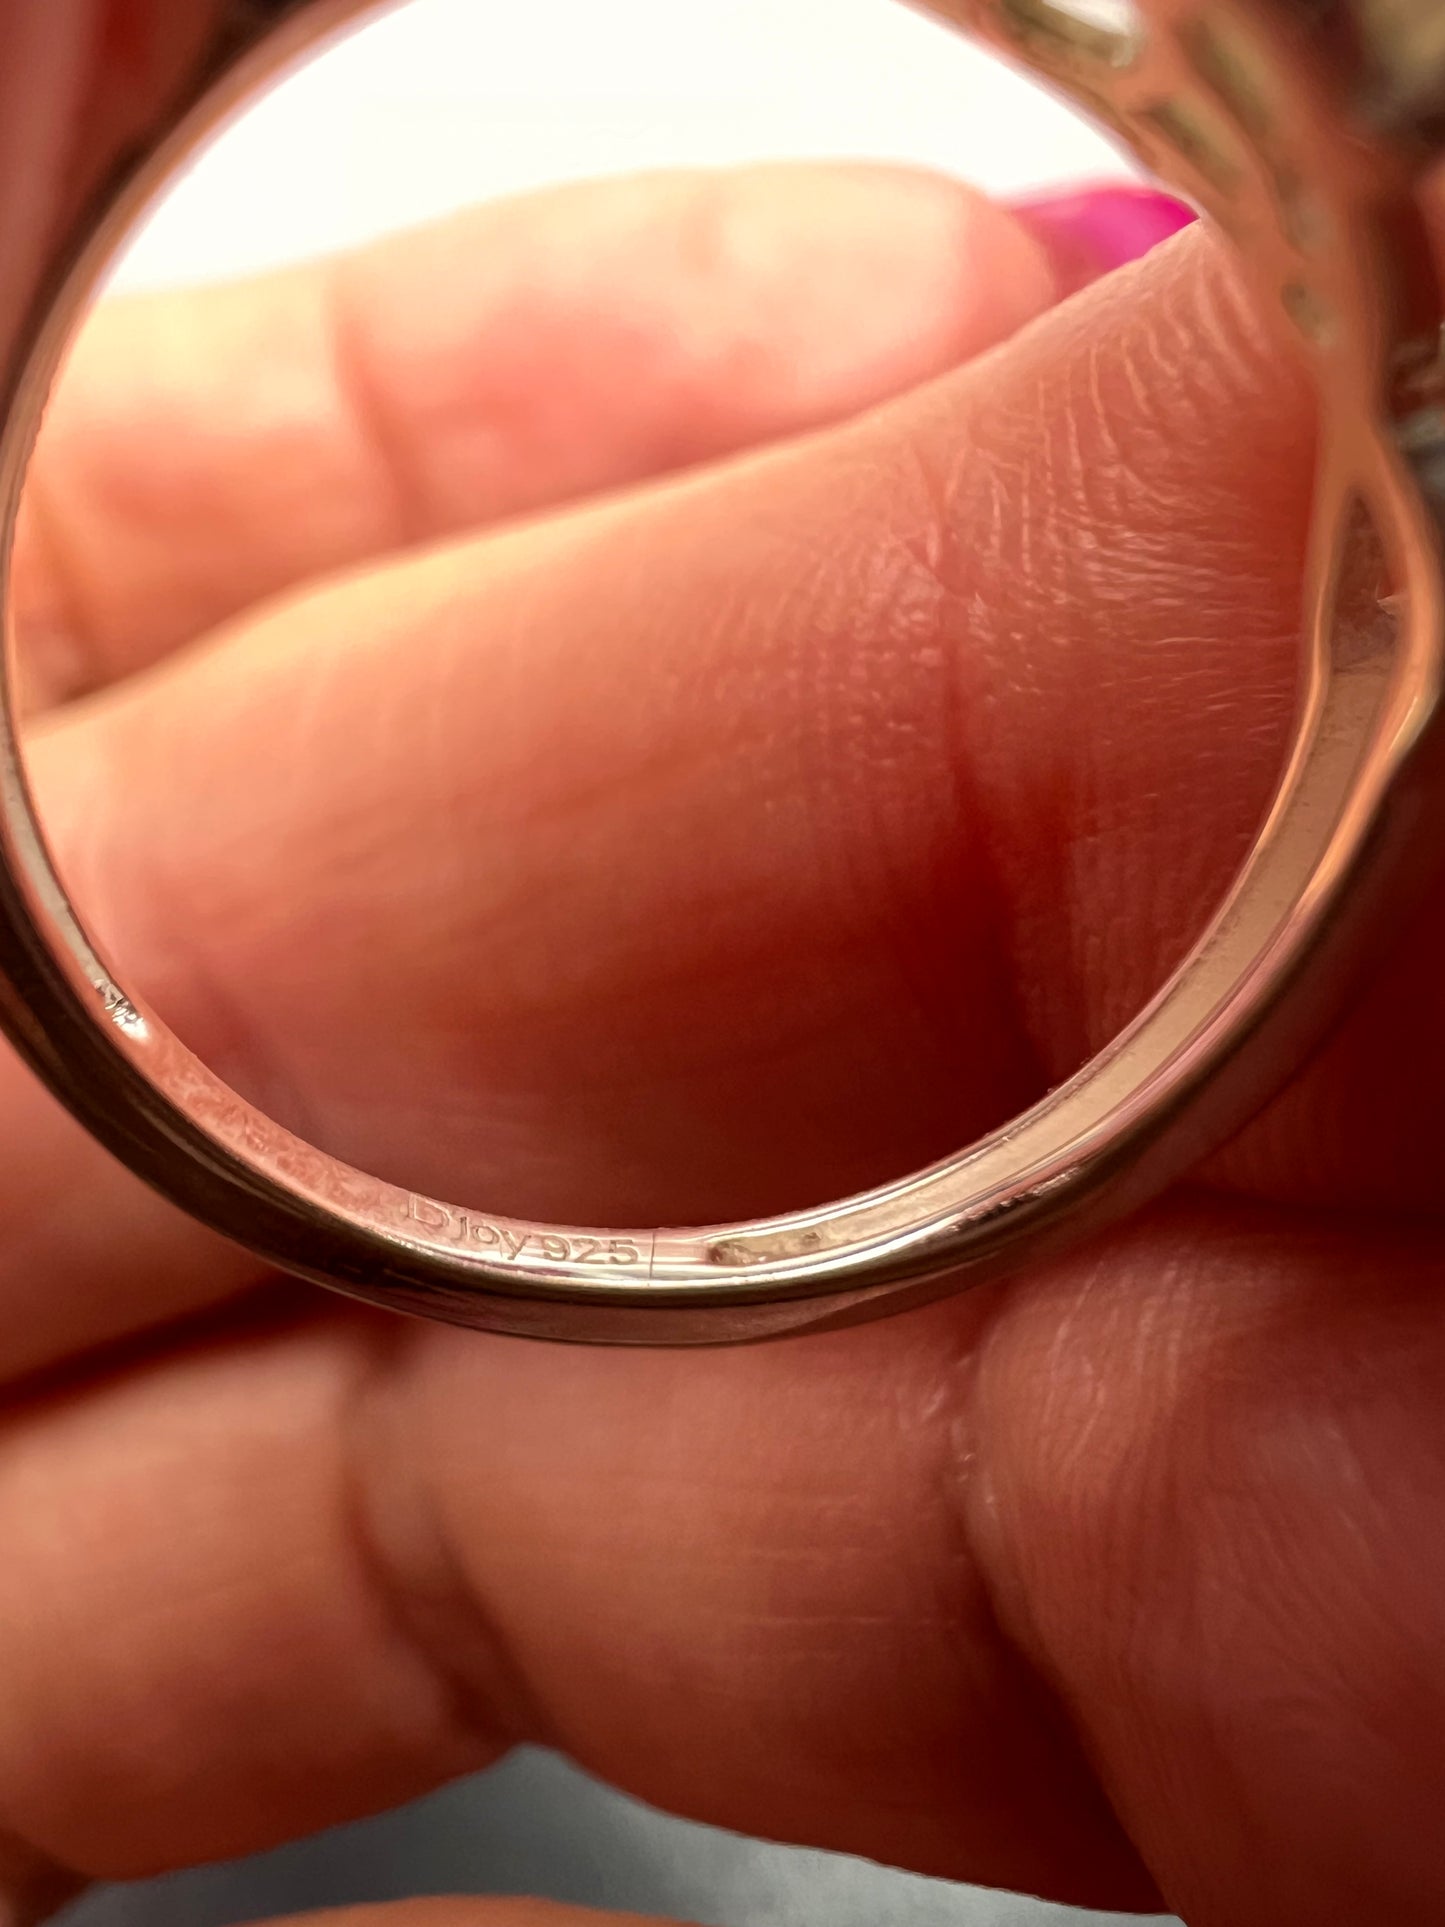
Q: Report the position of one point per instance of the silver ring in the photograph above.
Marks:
(1302, 131)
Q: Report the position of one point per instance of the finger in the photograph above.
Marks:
(211, 447)
(1168, 1509)
(1213, 1526)
(305, 1573)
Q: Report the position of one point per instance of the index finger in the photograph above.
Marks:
(212, 447)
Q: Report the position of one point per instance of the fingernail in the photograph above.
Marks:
(1096, 229)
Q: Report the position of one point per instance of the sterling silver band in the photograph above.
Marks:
(1301, 129)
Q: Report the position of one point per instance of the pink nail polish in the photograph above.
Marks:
(1095, 229)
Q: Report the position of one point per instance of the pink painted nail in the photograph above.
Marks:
(1095, 229)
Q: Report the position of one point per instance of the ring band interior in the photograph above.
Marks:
(1167, 1089)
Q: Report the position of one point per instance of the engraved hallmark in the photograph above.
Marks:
(512, 1244)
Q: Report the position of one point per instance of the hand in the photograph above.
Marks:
(682, 848)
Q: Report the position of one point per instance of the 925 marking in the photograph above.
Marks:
(512, 1246)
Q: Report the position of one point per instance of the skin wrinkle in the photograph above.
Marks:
(878, 879)
(1135, 357)
(418, 1730)
(1250, 1559)
(1030, 1076)
(970, 1502)
(988, 1523)
(68, 643)
(775, 1605)
(1325, 1452)
(930, 542)
(415, 1574)
(900, 619)
(987, 488)
(1093, 478)
(1105, 495)
(363, 398)
(871, 617)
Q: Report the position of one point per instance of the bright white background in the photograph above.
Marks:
(445, 101)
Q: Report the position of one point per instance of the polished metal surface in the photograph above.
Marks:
(1301, 130)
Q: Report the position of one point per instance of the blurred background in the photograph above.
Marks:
(425, 108)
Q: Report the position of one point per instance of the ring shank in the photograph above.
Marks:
(1342, 840)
